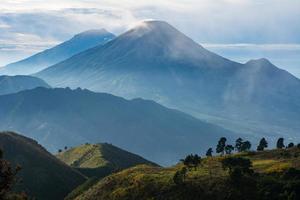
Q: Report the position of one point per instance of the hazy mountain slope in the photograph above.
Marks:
(261, 85)
(12, 84)
(43, 175)
(156, 61)
(42, 60)
(64, 117)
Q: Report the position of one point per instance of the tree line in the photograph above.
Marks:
(235, 165)
(242, 181)
(244, 146)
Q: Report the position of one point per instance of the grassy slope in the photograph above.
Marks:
(145, 182)
(43, 176)
(84, 156)
(93, 156)
(98, 160)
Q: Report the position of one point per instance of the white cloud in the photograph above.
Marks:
(219, 21)
(206, 21)
(4, 26)
(291, 47)
(25, 42)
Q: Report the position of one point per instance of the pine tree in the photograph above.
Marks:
(246, 146)
(262, 144)
(209, 152)
(221, 145)
(280, 143)
(229, 149)
(238, 144)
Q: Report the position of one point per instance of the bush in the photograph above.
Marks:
(234, 164)
(8, 179)
(192, 161)
(179, 176)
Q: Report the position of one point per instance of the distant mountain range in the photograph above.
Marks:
(13, 84)
(43, 176)
(155, 61)
(64, 117)
(40, 61)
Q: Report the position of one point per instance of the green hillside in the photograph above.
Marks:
(276, 176)
(97, 161)
(100, 159)
(43, 176)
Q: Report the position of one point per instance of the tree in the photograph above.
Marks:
(262, 144)
(280, 143)
(179, 176)
(298, 145)
(246, 146)
(290, 145)
(8, 179)
(197, 160)
(238, 144)
(192, 161)
(229, 149)
(66, 148)
(209, 152)
(59, 150)
(221, 145)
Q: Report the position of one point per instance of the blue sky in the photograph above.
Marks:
(238, 29)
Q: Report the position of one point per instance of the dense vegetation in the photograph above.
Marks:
(263, 175)
(8, 178)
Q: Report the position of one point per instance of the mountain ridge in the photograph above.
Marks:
(139, 126)
(58, 53)
(151, 60)
(13, 84)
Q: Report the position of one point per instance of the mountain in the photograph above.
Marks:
(13, 84)
(42, 60)
(64, 117)
(155, 61)
(277, 176)
(100, 159)
(43, 176)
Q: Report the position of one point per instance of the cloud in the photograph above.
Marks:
(25, 42)
(219, 21)
(206, 21)
(4, 25)
(251, 46)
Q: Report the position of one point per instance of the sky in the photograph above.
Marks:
(237, 29)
